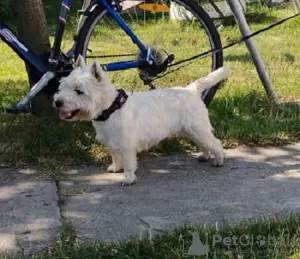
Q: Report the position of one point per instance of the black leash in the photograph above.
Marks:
(236, 42)
(206, 53)
(121, 97)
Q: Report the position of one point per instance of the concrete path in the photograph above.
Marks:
(171, 191)
(30, 219)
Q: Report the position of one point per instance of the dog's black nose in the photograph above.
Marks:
(59, 103)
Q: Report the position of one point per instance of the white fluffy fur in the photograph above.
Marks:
(145, 119)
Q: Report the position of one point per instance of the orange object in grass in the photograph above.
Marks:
(156, 8)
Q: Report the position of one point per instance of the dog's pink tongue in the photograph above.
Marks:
(64, 115)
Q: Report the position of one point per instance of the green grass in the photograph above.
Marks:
(255, 239)
(240, 113)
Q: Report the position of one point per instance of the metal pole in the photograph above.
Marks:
(260, 67)
(297, 5)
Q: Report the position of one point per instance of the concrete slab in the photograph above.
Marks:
(29, 213)
(174, 190)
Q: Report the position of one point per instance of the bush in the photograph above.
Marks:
(5, 9)
(4, 4)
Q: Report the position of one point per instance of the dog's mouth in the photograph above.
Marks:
(67, 115)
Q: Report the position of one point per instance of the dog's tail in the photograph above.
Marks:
(210, 80)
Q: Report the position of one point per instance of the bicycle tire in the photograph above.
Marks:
(202, 17)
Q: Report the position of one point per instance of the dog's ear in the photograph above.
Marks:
(97, 71)
(80, 62)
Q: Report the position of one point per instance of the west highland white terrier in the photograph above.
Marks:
(133, 123)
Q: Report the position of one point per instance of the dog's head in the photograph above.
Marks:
(83, 93)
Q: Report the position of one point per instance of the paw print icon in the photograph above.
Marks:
(197, 247)
(260, 240)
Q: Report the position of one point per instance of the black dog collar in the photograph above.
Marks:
(119, 101)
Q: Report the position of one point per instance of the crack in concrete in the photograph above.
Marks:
(149, 226)
(143, 221)
(19, 245)
(60, 200)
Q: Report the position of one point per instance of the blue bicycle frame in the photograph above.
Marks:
(19, 47)
(30, 57)
(49, 68)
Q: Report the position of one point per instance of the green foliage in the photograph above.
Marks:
(5, 7)
(263, 239)
(240, 112)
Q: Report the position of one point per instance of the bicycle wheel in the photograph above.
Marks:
(179, 27)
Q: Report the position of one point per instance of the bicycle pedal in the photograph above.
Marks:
(17, 110)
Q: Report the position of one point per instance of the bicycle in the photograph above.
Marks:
(151, 61)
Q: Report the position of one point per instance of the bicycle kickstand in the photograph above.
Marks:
(22, 106)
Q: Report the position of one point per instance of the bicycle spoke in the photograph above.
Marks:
(176, 27)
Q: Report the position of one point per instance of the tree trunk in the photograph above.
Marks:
(32, 29)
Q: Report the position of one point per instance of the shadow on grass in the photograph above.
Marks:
(246, 118)
(48, 142)
(11, 91)
(26, 139)
(250, 118)
(52, 11)
(256, 14)
(252, 18)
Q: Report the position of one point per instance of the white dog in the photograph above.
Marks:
(143, 120)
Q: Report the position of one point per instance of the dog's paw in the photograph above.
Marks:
(217, 163)
(125, 183)
(129, 181)
(113, 168)
(203, 158)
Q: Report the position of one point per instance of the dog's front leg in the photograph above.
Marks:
(129, 164)
(116, 161)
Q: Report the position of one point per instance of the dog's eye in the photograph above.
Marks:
(78, 92)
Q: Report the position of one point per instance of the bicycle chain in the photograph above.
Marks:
(113, 56)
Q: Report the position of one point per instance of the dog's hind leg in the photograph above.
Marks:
(129, 161)
(217, 149)
(116, 161)
(206, 141)
(206, 154)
